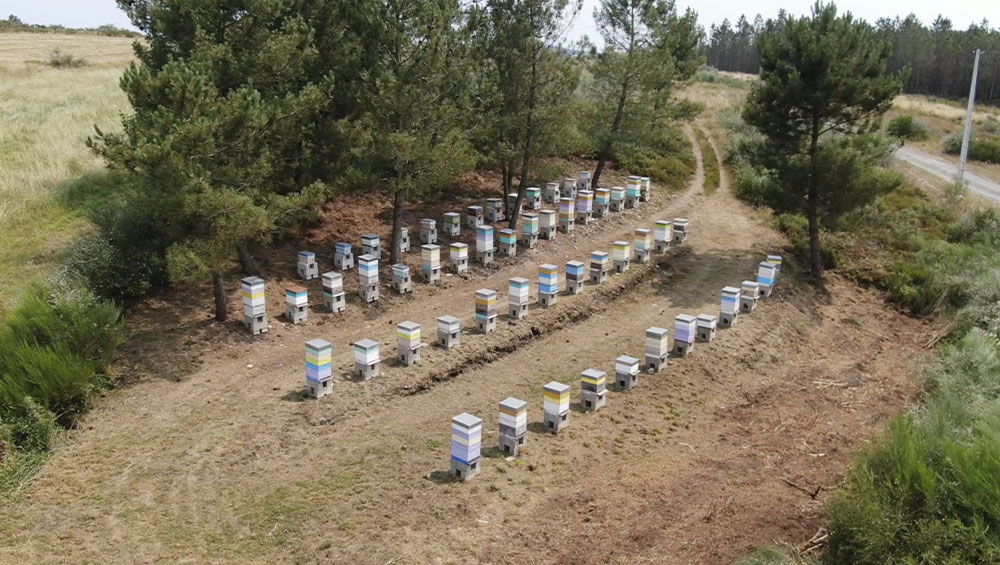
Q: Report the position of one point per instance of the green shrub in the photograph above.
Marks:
(771, 556)
(710, 163)
(52, 375)
(920, 496)
(68, 316)
(984, 149)
(59, 59)
(905, 127)
(667, 159)
(124, 260)
(25, 427)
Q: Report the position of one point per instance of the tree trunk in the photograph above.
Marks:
(605, 153)
(526, 153)
(219, 289)
(812, 207)
(247, 263)
(397, 223)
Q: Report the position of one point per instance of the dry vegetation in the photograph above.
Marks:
(48, 112)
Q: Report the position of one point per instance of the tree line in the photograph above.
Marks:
(939, 56)
(248, 114)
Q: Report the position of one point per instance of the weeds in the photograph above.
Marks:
(710, 162)
(62, 60)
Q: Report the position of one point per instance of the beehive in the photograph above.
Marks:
(296, 303)
(592, 389)
(459, 255)
(548, 284)
(319, 367)
(532, 198)
(749, 295)
(547, 224)
(685, 332)
(333, 291)
(408, 342)
(599, 266)
(681, 230)
(566, 213)
(404, 239)
(430, 262)
(663, 235)
(584, 206)
(707, 324)
(466, 441)
(343, 256)
(449, 331)
(622, 255)
(428, 231)
(626, 372)
(633, 191)
(451, 225)
(518, 290)
(657, 348)
(508, 242)
(368, 277)
(644, 189)
(513, 425)
(617, 198)
(551, 194)
(473, 216)
(401, 278)
(494, 210)
(254, 308)
(371, 245)
(767, 274)
(643, 245)
(583, 182)
(576, 274)
(486, 310)
(602, 199)
(307, 267)
(529, 230)
(730, 307)
(484, 244)
(366, 358)
(555, 406)
(569, 188)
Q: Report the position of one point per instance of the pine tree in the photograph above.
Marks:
(648, 49)
(820, 75)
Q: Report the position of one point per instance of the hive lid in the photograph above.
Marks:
(253, 281)
(620, 243)
(657, 331)
(641, 231)
(707, 318)
(367, 258)
(508, 231)
(332, 276)
(576, 264)
(459, 246)
(307, 254)
(626, 360)
(547, 267)
(684, 318)
(730, 290)
(452, 215)
(369, 236)
(430, 247)
(547, 212)
(448, 320)
(295, 289)
(519, 281)
(529, 216)
(593, 374)
(473, 208)
(466, 420)
(408, 326)
(318, 344)
(556, 387)
(366, 343)
(513, 404)
(486, 293)
(598, 253)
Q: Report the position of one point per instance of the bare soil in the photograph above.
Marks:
(214, 456)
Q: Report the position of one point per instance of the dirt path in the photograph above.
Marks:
(940, 168)
(226, 465)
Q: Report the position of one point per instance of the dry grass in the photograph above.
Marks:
(48, 113)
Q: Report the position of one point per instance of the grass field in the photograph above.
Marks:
(48, 113)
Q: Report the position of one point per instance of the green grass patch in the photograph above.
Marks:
(710, 162)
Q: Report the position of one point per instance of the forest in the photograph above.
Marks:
(939, 56)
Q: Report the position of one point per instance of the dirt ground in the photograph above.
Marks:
(215, 457)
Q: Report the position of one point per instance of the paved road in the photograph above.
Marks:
(939, 167)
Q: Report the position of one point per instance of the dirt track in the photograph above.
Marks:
(227, 464)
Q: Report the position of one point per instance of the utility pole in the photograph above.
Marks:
(968, 123)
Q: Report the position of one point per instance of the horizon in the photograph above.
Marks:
(94, 13)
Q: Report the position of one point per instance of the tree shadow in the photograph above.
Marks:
(297, 396)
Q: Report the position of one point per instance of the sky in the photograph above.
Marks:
(92, 13)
